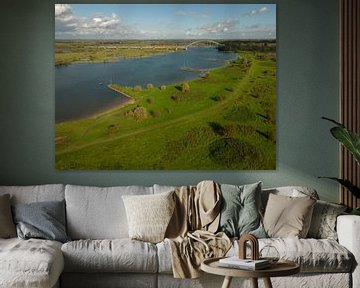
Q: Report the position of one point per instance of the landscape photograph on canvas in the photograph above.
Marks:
(165, 86)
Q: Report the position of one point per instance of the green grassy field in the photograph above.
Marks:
(226, 120)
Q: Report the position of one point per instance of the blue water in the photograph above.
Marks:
(81, 89)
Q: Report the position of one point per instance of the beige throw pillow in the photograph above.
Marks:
(149, 215)
(7, 226)
(288, 217)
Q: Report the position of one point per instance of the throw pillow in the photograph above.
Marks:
(323, 222)
(149, 215)
(7, 227)
(43, 220)
(240, 210)
(288, 217)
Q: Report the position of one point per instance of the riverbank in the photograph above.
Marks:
(130, 100)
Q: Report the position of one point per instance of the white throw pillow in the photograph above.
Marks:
(149, 215)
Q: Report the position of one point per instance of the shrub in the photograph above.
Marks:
(185, 87)
(179, 97)
(138, 113)
(218, 98)
(155, 114)
(137, 88)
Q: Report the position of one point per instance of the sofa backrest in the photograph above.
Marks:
(36, 193)
(163, 188)
(98, 212)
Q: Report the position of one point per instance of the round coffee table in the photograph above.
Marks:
(281, 268)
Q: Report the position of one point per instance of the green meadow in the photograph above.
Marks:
(224, 120)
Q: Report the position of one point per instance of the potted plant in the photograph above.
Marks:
(351, 141)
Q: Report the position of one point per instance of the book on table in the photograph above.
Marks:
(249, 264)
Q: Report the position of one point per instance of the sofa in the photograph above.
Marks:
(100, 253)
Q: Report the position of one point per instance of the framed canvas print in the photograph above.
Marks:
(165, 86)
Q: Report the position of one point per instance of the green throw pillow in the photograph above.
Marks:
(240, 210)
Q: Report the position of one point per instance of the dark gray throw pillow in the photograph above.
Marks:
(43, 220)
(7, 227)
(240, 213)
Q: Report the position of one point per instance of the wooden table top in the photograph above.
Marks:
(281, 268)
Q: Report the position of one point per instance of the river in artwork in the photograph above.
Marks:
(81, 90)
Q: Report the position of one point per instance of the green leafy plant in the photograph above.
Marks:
(351, 141)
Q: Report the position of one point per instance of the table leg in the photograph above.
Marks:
(254, 282)
(227, 282)
(267, 283)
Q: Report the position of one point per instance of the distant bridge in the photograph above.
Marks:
(206, 41)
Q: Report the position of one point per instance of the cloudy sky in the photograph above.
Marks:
(165, 21)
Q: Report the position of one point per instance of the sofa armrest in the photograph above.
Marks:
(348, 230)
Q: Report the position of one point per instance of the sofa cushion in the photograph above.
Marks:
(313, 255)
(7, 226)
(98, 213)
(109, 280)
(287, 216)
(291, 191)
(43, 220)
(163, 188)
(116, 255)
(240, 210)
(30, 263)
(323, 222)
(36, 193)
(149, 215)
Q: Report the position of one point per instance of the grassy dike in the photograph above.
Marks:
(224, 121)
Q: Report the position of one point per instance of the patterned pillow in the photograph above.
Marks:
(323, 222)
(240, 213)
(149, 215)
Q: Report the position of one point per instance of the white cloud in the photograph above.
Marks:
(62, 9)
(67, 25)
(65, 20)
(191, 34)
(96, 19)
(220, 27)
(257, 11)
(103, 23)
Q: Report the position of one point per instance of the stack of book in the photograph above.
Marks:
(248, 264)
